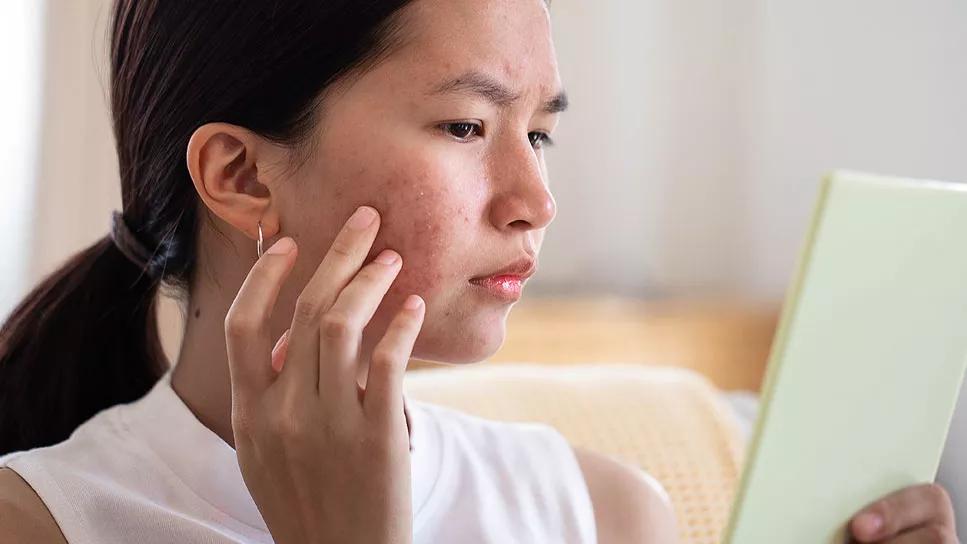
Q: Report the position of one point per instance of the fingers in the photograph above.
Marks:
(343, 324)
(340, 264)
(247, 334)
(901, 510)
(384, 382)
(928, 534)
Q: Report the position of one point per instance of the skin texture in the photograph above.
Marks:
(452, 209)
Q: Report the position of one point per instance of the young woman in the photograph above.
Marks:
(388, 155)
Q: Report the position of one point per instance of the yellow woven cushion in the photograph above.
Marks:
(672, 422)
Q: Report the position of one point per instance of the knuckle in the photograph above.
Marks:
(937, 534)
(306, 310)
(287, 426)
(384, 356)
(374, 273)
(238, 325)
(341, 248)
(336, 325)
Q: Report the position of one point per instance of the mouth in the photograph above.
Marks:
(507, 283)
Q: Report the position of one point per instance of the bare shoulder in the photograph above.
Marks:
(630, 506)
(23, 516)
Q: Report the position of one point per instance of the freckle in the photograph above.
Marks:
(197, 312)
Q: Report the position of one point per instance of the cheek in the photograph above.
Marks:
(427, 221)
(432, 214)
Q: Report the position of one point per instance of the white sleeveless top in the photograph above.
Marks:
(150, 472)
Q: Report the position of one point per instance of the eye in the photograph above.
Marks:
(462, 131)
(539, 139)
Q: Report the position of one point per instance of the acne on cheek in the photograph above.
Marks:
(419, 224)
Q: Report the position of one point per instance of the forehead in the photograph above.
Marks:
(507, 39)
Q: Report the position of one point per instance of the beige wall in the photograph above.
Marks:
(77, 186)
(20, 40)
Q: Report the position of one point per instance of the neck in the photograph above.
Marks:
(201, 375)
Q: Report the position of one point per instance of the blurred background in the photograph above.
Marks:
(684, 172)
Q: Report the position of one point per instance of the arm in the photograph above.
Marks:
(630, 506)
(23, 516)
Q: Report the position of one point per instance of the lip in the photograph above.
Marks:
(523, 268)
(508, 282)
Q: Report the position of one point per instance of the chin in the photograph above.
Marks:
(459, 345)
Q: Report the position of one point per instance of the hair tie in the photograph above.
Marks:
(128, 244)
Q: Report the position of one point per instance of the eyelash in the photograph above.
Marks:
(543, 138)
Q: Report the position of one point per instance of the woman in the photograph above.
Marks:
(267, 125)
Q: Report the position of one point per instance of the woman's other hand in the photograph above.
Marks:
(324, 460)
(919, 514)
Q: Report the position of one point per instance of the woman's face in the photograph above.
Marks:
(444, 139)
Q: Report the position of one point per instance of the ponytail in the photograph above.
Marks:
(85, 339)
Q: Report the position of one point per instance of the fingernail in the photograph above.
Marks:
(871, 522)
(280, 340)
(387, 256)
(281, 247)
(412, 302)
(362, 218)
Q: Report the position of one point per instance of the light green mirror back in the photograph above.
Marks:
(867, 362)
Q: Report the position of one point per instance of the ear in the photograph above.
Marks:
(224, 161)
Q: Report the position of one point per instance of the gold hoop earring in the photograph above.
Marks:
(259, 246)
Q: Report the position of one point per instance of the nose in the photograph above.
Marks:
(521, 198)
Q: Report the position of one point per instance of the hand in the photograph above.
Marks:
(919, 514)
(324, 460)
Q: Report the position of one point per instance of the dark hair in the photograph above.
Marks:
(86, 338)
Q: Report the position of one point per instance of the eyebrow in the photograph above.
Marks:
(491, 89)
